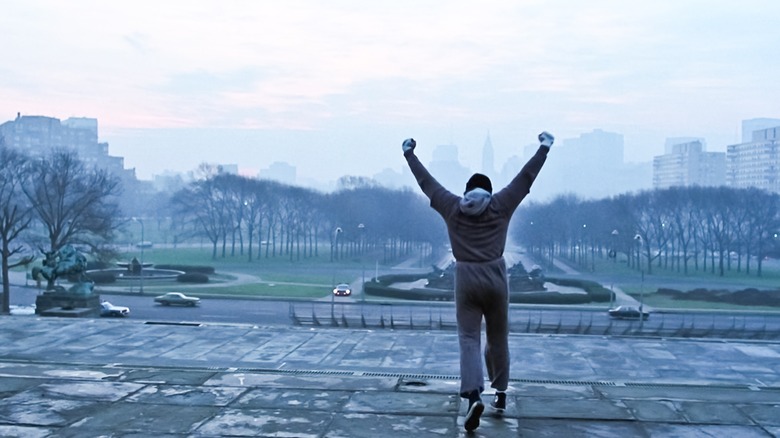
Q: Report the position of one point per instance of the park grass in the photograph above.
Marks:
(314, 269)
(665, 302)
(644, 285)
(278, 277)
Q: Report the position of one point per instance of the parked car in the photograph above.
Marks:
(628, 312)
(108, 309)
(177, 298)
(342, 290)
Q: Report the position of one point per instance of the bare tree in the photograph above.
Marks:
(15, 216)
(75, 203)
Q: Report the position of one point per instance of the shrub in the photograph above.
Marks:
(193, 277)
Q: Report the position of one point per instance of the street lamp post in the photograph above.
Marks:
(640, 246)
(140, 221)
(362, 230)
(613, 255)
(336, 233)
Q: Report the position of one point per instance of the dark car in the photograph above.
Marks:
(108, 309)
(342, 290)
(628, 312)
(177, 298)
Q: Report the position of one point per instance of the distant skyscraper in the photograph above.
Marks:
(751, 125)
(488, 163)
(687, 164)
(595, 149)
(671, 143)
(279, 171)
(446, 168)
(756, 163)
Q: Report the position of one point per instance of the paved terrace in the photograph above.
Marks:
(126, 378)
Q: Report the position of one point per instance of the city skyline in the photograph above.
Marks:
(334, 88)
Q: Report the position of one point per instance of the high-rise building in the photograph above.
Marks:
(39, 135)
(447, 168)
(488, 160)
(751, 125)
(279, 171)
(756, 163)
(688, 164)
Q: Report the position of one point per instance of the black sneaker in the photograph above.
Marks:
(499, 402)
(472, 416)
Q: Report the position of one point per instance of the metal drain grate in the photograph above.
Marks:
(564, 382)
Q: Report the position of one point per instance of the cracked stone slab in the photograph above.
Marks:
(15, 369)
(579, 429)
(403, 403)
(93, 391)
(25, 432)
(698, 431)
(187, 395)
(171, 377)
(714, 413)
(690, 393)
(655, 410)
(29, 408)
(763, 414)
(382, 426)
(323, 381)
(266, 422)
(139, 419)
(311, 399)
(586, 409)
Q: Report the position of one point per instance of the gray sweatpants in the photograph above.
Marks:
(481, 290)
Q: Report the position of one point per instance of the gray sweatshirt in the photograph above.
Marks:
(477, 223)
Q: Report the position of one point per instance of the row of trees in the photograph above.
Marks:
(236, 213)
(705, 229)
(48, 202)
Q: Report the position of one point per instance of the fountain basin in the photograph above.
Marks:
(148, 274)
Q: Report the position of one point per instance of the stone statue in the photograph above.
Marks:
(65, 262)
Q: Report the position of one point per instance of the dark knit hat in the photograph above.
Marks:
(481, 181)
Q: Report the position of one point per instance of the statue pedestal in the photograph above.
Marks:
(58, 303)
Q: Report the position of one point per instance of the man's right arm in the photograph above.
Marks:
(429, 185)
(520, 186)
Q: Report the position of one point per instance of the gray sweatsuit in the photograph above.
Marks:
(477, 225)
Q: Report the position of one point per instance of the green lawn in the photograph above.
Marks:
(311, 277)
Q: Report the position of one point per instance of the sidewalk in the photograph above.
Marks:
(98, 377)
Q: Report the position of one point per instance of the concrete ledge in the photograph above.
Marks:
(79, 312)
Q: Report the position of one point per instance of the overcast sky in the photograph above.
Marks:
(333, 87)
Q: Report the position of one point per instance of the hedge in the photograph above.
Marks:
(193, 277)
(187, 269)
(594, 291)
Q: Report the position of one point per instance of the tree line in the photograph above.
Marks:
(699, 229)
(257, 218)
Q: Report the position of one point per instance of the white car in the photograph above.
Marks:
(108, 309)
(177, 298)
(628, 312)
(342, 290)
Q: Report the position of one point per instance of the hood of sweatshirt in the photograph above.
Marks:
(474, 202)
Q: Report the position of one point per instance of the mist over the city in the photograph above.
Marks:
(324, 90)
